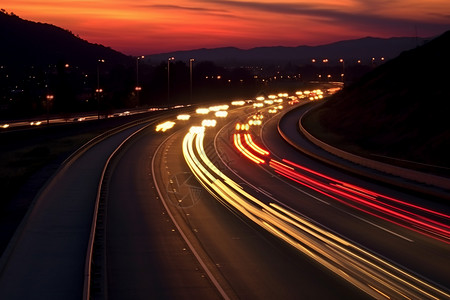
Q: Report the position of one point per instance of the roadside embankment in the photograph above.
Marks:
(351, 158)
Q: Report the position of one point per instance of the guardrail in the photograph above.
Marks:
(66, 163)
(96, 239)
(414, 175)
(413, 180)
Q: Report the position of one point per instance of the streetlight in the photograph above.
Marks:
(168, 79)
(138, 87)
(98, 72)
(48, 98)
(98, 90)
(190, 76)
(343, 68)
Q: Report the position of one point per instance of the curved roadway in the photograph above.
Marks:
(212, 251)
(46, 257)
(147, 256)
(168, 238)
(417, 252)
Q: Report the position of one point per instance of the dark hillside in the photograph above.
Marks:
(39, 59)
(401, 109)
(25, 43)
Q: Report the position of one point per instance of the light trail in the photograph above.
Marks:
(165, 126)
(255, 147)
(413, 217)
(244, 151)
(373, 275)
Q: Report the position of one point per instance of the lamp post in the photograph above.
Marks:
(98, 91)
(325, 68)
(168, 79)
(138, 88)
(191, 61)
(343, 68)
(48, 99)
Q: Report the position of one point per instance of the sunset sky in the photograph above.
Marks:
(155, 26)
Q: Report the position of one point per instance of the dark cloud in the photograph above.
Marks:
(194, 9)
(365, 20)
(441, 15)
(281, 8)
(188, 8)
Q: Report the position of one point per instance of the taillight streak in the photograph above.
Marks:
(368, 192)
(345, 192)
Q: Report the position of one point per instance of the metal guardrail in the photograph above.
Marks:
(67, 162)
(413, 177)
(94, 273)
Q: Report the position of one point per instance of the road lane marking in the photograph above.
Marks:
(185, 238)
(381, 227)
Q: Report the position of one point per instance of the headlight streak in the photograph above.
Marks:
(375, 201)
(371, 274)
(244, 151)
(221, 114)
(238, 103)
(165, 126)
(380, 206)
(202, 111)
(183, 117)
(209, 123)
(251, 143)
(342, 242)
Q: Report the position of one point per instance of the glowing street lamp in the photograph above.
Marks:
(98, 72)
(48, 99)
(138, 87)
(190, 76)
(343, 68)
(98, 91)
(168, 78)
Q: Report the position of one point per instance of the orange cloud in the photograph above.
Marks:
(148, 27)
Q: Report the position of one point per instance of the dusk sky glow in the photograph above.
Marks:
(150, 27)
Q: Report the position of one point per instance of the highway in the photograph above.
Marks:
(216, 230)
(307, 205)
(224, 209)
(399, 244)
(55, 120)
(45, 258)
(146, 256)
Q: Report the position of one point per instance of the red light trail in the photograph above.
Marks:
(413, 217)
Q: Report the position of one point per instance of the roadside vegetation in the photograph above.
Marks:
(397, 113)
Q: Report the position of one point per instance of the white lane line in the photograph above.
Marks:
(381, 227)
(310, 195)
(264, 192)
(183, 235)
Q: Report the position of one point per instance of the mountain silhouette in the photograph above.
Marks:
(352, 50)
(26, 43)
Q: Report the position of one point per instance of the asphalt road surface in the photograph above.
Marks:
(173, 232)
(148, 258)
